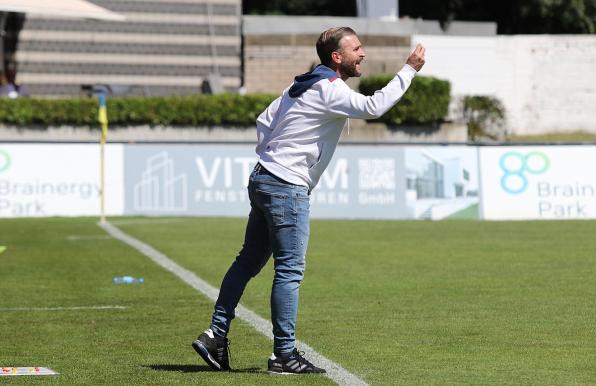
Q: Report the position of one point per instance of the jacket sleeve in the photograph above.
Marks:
(265, 123)
(345, 102)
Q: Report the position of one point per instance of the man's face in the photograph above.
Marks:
(351, 54)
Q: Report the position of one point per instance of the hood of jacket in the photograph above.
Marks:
(305, 81)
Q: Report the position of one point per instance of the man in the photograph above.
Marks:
(297, 136)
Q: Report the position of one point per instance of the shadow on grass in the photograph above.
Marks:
(199, 368)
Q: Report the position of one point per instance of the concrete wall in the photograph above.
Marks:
(277, 48)
(359, 131)
(546, 82)
(272, 61)
(265, 25)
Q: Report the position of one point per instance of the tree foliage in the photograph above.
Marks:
(485, 117)
(300, 7)
(512, 16)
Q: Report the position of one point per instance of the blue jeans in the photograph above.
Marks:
(278, 223)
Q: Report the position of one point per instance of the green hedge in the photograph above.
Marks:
(197, 110)
(426, 101)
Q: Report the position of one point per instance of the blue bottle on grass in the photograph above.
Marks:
(127, 280)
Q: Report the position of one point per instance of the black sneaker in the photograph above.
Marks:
(293, 363)
(213, 349)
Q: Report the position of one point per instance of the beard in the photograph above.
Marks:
(350, 69)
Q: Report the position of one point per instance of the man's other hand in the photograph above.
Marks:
(416, 58)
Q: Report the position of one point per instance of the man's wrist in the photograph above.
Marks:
(409, 70)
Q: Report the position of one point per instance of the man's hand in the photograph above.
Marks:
(416, 58)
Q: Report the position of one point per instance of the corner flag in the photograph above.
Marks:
(103, 117)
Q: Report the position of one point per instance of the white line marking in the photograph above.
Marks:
(87, 237)
(76, 308)
(334, 371)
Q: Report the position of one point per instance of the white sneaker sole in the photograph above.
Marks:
(202, 351)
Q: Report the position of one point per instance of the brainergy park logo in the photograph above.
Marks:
(516, 165)
(4, 160)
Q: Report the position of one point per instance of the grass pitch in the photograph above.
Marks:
(405, 303)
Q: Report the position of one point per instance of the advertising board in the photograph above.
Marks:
(383, 182)
(538, 182)
(38, 180)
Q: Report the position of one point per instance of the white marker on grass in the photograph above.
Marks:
(13, 371)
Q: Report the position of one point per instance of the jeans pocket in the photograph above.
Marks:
(274, 205)
(301, 204)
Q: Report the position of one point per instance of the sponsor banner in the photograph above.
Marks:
(362, 182)
(388, 182)
(538, 182)
(187, 179)
(39, 180)
(441, 182)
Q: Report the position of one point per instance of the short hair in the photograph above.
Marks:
(328, 42)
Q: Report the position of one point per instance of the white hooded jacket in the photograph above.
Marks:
(299, 131)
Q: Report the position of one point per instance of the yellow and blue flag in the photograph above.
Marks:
(103, 117)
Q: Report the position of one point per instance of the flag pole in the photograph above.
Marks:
(103, 121)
